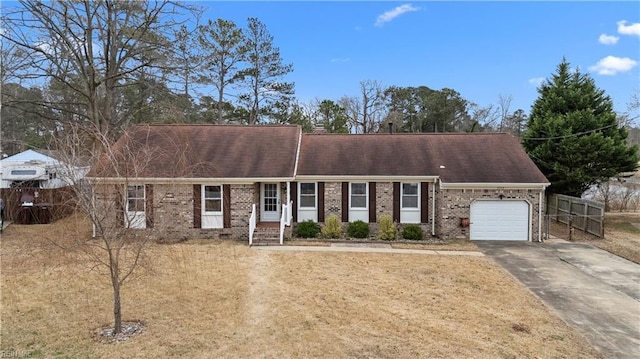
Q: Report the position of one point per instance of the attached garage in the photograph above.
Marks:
(504, 220)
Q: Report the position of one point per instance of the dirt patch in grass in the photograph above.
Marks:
(621, 236)
(224, 299)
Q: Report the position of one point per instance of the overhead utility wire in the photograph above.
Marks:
(567, 136)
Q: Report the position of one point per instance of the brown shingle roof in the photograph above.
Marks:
(202, 151)
(467, 158)
(236, 151)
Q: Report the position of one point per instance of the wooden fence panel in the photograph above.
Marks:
(583, 214)
(58, 203)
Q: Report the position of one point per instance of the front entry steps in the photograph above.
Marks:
(267, 234)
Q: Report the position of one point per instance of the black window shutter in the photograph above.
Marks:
(320, 201)
(424, 202)
(294, 198)
(345, 201)
(396, 201)
(226, 206)
(372, 202)
(197, 206)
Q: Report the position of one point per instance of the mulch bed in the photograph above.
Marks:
(129, 329)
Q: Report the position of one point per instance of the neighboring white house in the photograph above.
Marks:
(34, 169)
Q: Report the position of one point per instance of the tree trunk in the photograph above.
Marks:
(220, 99)
(117, 312)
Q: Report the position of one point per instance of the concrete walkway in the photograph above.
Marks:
(592, 290)
(363, 248)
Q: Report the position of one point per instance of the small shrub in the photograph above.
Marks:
(412, 232)
(358, 229)
(387, 228)
(308, 229)
(332, 227)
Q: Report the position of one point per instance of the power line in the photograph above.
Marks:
(567, 136)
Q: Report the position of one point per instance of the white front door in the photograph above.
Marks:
(270, 202)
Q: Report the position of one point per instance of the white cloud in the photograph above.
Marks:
(612, 65)
(45, 47)
(608, 39)
(340, 59)
(537, 81)
(394, 13)
(633, 29)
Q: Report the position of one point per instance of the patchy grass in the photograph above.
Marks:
(624, 227)
(205, 299)
(623, 222)
(621, 236)
(306, 242)
(450, 245)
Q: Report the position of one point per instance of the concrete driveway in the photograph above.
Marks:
(592, 290)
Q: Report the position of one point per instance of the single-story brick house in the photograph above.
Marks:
(232, 181)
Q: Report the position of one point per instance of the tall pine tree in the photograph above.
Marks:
(264, 73)
(573, 134)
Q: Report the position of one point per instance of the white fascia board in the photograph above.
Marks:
(488, 185)
(311, 178)
(295, 167)
(153, 180)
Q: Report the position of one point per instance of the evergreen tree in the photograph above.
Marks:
(573, 134)
(222, 42)
(264, 73)
(332, 117)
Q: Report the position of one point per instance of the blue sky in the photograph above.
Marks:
(480, 49)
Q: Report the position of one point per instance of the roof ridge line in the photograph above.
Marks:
(411, 134)
(210, 125)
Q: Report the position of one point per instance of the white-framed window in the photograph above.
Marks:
(308, 195)
(410, 196)
(23, 172)
(212, 198)
(212, 206)
(358, 195)
(135, 207)
(135, 198)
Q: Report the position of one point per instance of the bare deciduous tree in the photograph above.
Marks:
(117, 204)
(367, 111)
(92, 48)
(483, 119)
(14, 62)
(628, 195)
(604, 194)
(504, 102)
(619, 194)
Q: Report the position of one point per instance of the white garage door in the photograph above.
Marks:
(499, 220)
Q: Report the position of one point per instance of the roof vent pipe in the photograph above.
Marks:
(391, 127)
